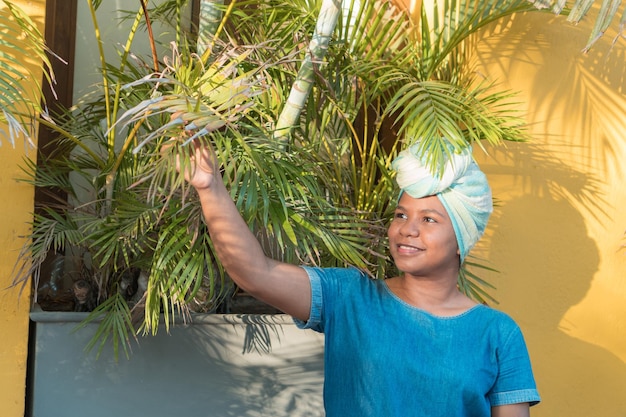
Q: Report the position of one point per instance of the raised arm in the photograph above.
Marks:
(281, 285)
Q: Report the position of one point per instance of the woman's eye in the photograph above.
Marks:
(399, 216)
(429, 220)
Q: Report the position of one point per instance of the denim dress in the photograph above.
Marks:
(384, 357)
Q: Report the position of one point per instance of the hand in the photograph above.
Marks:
(202, 168)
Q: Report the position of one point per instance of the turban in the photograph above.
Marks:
(462, 188)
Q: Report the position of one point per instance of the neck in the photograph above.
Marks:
(439, 297)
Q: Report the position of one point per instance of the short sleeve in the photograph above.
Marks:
(515, 382)
(315, 314)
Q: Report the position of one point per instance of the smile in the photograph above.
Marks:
(408, 249)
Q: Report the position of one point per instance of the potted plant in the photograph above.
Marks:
(309, 172)
(127, 218)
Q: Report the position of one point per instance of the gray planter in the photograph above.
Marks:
(218, 365)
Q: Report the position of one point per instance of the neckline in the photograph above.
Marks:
(426, 312)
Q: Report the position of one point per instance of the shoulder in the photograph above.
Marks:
(344, 276)
(347, 284)
(496, 323)
(495, 316)
(330, 288)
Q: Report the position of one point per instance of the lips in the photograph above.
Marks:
(408, 249)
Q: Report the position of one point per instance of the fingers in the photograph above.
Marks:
(197, 161)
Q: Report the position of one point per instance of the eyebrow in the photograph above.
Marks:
(427, 210)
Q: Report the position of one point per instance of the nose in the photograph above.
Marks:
(410, 228)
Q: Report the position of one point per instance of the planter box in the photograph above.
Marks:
(218, 365)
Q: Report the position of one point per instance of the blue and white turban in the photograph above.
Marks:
(462, 189)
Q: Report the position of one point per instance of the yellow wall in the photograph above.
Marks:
(17, 204)
(557, 233)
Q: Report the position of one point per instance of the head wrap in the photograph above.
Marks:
(462, 188)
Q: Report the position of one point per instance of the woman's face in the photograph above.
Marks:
(421, 238)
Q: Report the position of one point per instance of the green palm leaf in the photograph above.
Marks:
(51, 232)
(19, 107)
(181, 260)
(114, 322)
(472, 285)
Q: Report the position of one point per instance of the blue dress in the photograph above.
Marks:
(384, 357)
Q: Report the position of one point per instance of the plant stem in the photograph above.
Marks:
(316, 51)
(105, 81)
(67, 135)
(209, 49)
(208, 24)
(112, 117)
(155, 61)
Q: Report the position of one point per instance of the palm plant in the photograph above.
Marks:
(92, 165)
(311, 178)
(374, 67)
(128, 218)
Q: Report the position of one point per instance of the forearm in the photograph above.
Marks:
(236, 247)
(281, 285)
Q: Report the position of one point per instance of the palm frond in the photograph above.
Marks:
(124, 235)
(450, 24)
(434, 112)
(51, 232)
(114, 322)
(608, 14)
(199, 99)
(19, 106)
(181, 259)
(473, 285)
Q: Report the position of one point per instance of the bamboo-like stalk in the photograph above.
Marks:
(316, 51)
(208, 23)
(111, 114)
(212, 30)
(105, 81)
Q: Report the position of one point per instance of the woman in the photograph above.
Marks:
(411, 345)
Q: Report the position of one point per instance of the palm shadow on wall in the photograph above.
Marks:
(218, 366)
(582, 92)
(552, 270)
(262, 367)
